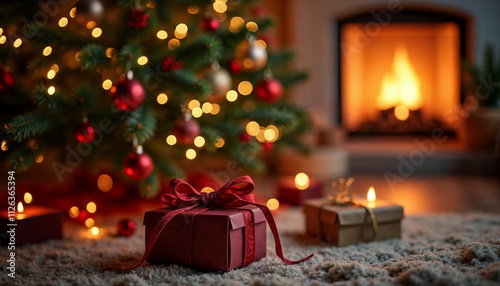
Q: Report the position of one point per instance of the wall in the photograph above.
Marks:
(311, 30)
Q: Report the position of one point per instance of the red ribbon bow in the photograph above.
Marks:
(234, 194)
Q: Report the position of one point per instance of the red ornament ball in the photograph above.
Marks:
(85, 133)
(83, 215)
(138, 165)
(6, 79)
(127, 94)
(210, 24)
(185, 130)
(245, 137)
(138, 19)
(269, 90)
(234, 67)
(268, 146)
(126, 227)
(171, 64)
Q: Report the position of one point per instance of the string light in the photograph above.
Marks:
(271, 133)
(261, 43)
(28, 198)
(235, 24)
(51, 74)
(162, 34)
(252, 26)
(181, 31)
(55, 67)
(193, 9)
(245, 87)
(207, 107)
(219, 143)
(109, 52)
(77, 56)
(89, 222)
(39, 159)
(219, 7)
(273, 204)
(193, 104)
(72, 12)
(252, 128)
(199, 141)
(97, 32)
(91, 25)
(47, 51)
(260, 136)
(17, 43)
(171, 140)
(107, 84)
(91, 207)
(142, 60)
(4, 146)
(231, 95)
(190, 154)
(1, 31)
(301, 181)
(215, 109)
(162, 98)
(3, 39)
(74, 212)
(173, 44)
(63, 22)
(104, 183)
(51, 90)
(197, 112)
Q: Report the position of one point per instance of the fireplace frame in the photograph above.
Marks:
(407, 15)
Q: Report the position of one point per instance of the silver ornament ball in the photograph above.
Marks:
(220, 80)
(89, 10)
(251, 55)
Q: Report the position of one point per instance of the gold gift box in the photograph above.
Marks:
(349, 224)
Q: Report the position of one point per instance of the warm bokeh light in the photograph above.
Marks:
(107, 84)
(371, 196)
(215, 109)
(74, 212)
(89, 222)
(231, 95)
(252, 128)
(55, 67)
(190, 154)
(199, 141)
(197, 112)
(219, 7)
(193, 9)
(63, 22)
(94, 230)
(72, 12)
(91, 207)
(51, 90)
(271, 133)
(173, 44)
(39, 159)
(260, 135)
(3, 39)
(17, 43)
(109, 52)
(252, 26)
(181, 31)
(142, 60)
(219, 143)
(28, 198)
(162, 34)
(47, 51)
(171, 140)
(91, 25)
(207, 107)
(301, 181)
(20, 207)
(401, 112)
(273, 204)
(4, 146)
(193, 104)
(245, 87)
(96, 32)
(162, 98)
(105, 183)
(207, 190)
(235, 24)
(51, 74)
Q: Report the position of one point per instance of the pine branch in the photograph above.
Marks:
(92, 56)
(149, 187)
(46, 35)
(291, 78)
(190, 83)
(21, 159)
(85, 97)
(142, 123)
(167, 169)
(202, 51)
(27, 125)
(46, 101)
(129, 54)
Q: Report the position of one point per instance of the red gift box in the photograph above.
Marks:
(217, 240)
(289, 193)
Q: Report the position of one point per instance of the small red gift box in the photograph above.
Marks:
(289, 193)
(217, 238)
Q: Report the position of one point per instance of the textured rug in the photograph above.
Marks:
(443, 249)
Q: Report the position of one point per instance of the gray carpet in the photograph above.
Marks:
(445, 249)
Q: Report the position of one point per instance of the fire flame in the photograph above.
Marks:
(371, 197)
(400, 87)
(20, 207)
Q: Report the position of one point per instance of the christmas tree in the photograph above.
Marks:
(142, 85)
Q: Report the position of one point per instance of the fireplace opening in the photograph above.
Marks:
(403, 78)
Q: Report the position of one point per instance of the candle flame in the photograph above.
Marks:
(371, 197)
(28, 198)
(20, 207)
(301, 181)
(94, 230)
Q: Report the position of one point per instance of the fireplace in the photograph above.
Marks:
(400, 74)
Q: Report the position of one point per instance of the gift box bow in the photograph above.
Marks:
(234, 194)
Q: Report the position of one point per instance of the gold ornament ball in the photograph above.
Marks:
(221, 82)
(251, 55)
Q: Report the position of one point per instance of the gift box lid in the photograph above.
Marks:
(236, 218)
(352, 215)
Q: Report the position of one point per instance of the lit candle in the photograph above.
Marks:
(294, 190)
(371, 197)
(30, 223)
